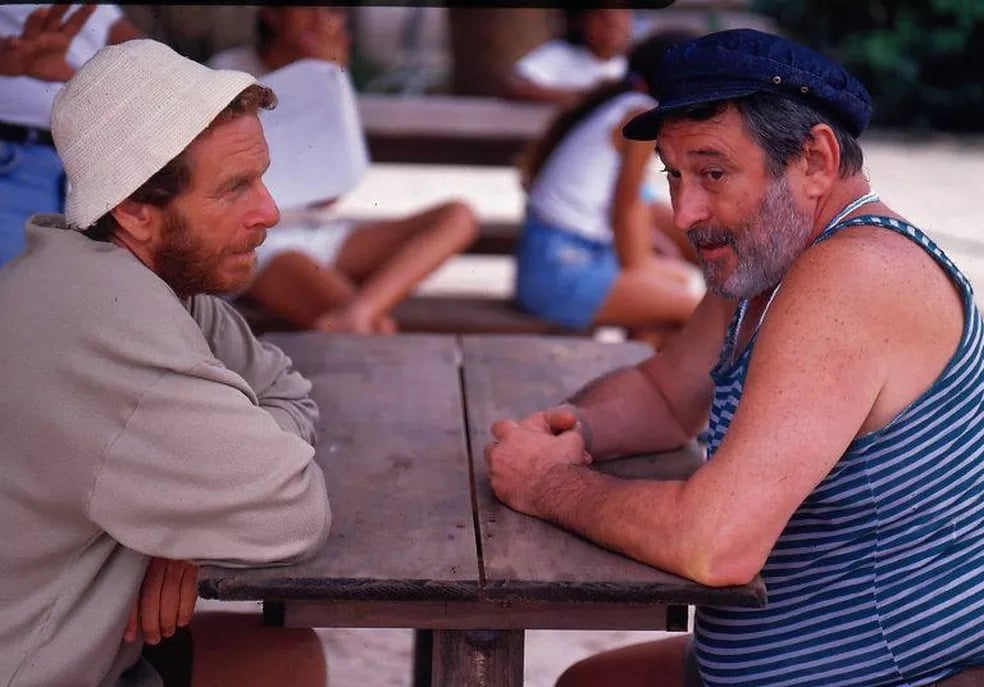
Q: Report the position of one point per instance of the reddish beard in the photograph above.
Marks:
(189, 266)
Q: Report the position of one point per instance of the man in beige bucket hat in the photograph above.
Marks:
(145, 429)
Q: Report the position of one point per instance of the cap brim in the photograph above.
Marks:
(644, 127)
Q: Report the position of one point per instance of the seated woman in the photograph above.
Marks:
(597, 246)
(316, 271)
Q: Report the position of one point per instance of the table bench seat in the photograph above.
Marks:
(440, 314)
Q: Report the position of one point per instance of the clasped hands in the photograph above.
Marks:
(525, 452)
(165, 602)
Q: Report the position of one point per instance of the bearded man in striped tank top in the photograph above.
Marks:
(836, 370)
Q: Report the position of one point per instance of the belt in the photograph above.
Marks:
(16, 133)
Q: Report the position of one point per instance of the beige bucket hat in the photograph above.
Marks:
(125, 114)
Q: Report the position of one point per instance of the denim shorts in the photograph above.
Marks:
(31, 180)
(561, 276)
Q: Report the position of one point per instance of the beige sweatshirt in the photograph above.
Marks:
(132, 425)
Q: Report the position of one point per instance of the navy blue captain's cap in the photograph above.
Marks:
(732, 64)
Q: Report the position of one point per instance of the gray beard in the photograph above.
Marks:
(765, 245)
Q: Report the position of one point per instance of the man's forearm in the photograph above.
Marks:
(640, 519)
(624, 413)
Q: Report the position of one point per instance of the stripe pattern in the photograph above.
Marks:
(878, 578)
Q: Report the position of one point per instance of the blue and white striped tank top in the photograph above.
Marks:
(878, 578)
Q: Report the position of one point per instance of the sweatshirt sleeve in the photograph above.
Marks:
(280, 390)
(199, 472)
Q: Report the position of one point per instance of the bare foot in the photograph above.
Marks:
(346, 319)
(386, 325)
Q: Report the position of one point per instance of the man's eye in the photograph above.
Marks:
(672, 173)
(715, 174)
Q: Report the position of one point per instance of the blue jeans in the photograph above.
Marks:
(31, 180)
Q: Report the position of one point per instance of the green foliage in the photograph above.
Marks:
(922, 60)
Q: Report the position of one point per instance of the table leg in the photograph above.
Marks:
(423, 657)
(483, 658)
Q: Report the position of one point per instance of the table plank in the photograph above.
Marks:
(402, 517)
(478, 615)
(527, 558)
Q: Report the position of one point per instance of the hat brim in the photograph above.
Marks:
(645, 126)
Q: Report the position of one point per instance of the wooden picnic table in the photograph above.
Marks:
(419, 539)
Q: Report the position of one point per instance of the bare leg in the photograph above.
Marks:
(388, 259)
(666, 291)
(378, 265)
(652, 664)
(236, 649)
(296, 288)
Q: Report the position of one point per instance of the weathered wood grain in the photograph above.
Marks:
(478, 657)
(394, 454)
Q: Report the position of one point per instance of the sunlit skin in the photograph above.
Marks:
(746, 226)
(607, 32)
(206, 238)
(301, 31)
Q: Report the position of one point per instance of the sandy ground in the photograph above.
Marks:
(932, 182)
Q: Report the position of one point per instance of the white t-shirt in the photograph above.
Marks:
(27, 101)
(574, 188)
(559, 64)
(242, 58)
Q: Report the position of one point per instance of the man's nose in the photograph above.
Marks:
(266, 212)
(690, 206)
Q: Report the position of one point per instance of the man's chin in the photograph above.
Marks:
(235, 283)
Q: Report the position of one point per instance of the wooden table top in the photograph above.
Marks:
(403, 423)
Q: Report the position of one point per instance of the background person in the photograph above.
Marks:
(595, 246)
(591, 51)
(839, 358)
(149, 423)
(323, 273)
(31, 176)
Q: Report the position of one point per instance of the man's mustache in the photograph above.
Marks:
(703, 236)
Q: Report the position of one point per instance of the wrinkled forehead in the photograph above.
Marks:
(721, 134)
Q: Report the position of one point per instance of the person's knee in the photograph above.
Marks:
(236, 648)
(567, 678)
(461, 220)
(576, 675)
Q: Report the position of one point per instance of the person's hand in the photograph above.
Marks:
(40, 51)
(559, 419)
(523, 454)
(166, 601)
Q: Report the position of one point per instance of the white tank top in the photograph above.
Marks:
(574, 188)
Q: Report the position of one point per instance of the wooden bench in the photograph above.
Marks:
(460, 314)
(444, 129)
(444, 314)
(496, 238)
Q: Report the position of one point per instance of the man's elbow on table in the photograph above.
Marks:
(293, 525)
(313, 526)
(717, 565)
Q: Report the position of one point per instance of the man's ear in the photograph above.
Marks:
(139, 221)
(820, 161)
